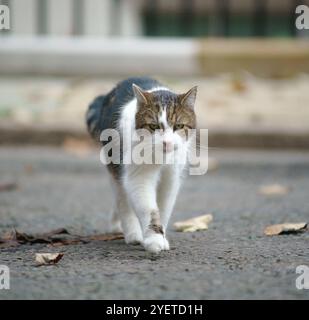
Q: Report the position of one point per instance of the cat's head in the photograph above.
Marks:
(166, 115)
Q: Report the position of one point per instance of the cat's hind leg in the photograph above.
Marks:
(112, 223)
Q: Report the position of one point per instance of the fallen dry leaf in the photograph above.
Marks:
(194, 224)
(86, 239)
(22, 238)
(285, 228)
(47, 258)
(238, 85)
(273, 190)
(106, 237)
(58, 237)
(8, 186)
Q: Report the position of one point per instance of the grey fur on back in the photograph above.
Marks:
(104, 111)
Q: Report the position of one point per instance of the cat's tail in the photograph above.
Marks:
(93, 116)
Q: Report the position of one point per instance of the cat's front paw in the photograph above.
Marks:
(134, 238)
(155, 243)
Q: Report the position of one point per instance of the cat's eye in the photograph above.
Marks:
(154, 126)
(178, 126)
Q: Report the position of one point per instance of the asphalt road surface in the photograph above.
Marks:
(231, 260)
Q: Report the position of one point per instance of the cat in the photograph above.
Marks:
(145, 194)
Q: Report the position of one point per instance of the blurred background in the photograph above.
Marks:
(248, 58)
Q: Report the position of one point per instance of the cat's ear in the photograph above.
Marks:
(142, 97)
(188, 99)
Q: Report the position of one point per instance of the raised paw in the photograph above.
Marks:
(155, 243)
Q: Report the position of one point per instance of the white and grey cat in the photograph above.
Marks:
(145, 194)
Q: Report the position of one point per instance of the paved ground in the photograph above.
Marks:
(232, 260)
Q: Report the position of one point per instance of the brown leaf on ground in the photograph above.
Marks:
(8, 186)
(273, 190)
(47, 258)
(58, 237)
(194, 224)
(238, 85)
(285, 228)
(106, 237)
(23, 238)
(86, 239)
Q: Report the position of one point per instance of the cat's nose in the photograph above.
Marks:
(168, 146)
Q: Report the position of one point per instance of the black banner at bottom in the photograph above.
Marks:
(142, 309)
